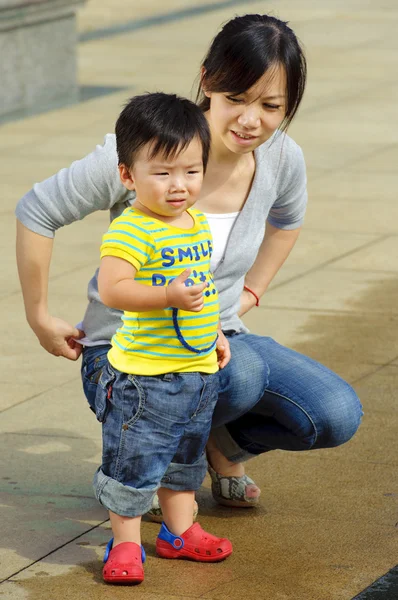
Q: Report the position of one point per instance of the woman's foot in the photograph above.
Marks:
(230, 485)
(193, 544)
(123, 563)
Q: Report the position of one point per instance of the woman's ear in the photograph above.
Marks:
(203, 81)
(126, 177)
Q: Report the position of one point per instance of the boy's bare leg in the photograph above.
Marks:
(125, 529)
(177, 509)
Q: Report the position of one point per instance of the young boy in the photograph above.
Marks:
(157, 393)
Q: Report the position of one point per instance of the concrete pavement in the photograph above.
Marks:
(326, 525)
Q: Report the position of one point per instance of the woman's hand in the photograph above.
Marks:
(223, 350)
(57, 337)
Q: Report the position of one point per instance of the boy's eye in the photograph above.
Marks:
(193, 172)
(163, 173)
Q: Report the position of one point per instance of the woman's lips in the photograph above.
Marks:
(248, 139)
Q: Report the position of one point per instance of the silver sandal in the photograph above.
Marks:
(231, 491)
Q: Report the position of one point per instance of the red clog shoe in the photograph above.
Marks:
(123, 564)
(193, 544)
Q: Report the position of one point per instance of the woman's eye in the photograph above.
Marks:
(271, 106)
(234, 100)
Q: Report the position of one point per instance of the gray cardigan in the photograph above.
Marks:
(278, 194)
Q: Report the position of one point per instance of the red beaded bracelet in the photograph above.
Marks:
(254, 294)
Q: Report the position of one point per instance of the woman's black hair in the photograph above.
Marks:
(166, 121)
(244, 50)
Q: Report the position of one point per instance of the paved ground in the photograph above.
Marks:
(326, 527)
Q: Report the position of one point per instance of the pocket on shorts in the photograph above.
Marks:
(133, 400)
(104, 391)
(92, 369)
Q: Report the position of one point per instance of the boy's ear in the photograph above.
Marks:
(126, 177)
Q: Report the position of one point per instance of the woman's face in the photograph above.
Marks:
(243, 122)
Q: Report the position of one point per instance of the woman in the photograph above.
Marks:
(254, 196)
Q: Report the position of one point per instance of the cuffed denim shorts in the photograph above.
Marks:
(154, 432)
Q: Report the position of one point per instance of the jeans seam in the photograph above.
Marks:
(301, 409)
(141, 404)
(199, 407)
(121, 443)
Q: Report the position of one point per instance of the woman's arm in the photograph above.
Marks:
(33, 260)
(273, 252)
(89, 184)
(283, 224)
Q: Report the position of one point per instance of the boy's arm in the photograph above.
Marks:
(118, 289)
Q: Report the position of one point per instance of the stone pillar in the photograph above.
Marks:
(37, 53)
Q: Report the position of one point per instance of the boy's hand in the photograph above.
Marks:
(179, 295)
(223, 350)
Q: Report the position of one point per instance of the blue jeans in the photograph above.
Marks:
(154, 432)
(270, 398)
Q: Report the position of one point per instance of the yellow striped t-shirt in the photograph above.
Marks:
(168, 340)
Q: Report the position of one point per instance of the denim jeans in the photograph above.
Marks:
(270, 398)
(154, 432)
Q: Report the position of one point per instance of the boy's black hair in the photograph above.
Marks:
(167, 121)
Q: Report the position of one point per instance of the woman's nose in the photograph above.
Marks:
(249, 117)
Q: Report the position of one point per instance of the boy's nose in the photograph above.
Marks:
(177, 184)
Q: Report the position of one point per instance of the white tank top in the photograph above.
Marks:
(220, 226)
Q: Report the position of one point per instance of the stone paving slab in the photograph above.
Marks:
(339, 290)
(358, 341)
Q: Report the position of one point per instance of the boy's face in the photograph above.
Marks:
(166, 187)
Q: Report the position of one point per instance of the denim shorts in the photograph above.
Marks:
(94, 359)
(154, 432)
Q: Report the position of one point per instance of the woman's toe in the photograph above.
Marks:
(252, 491)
